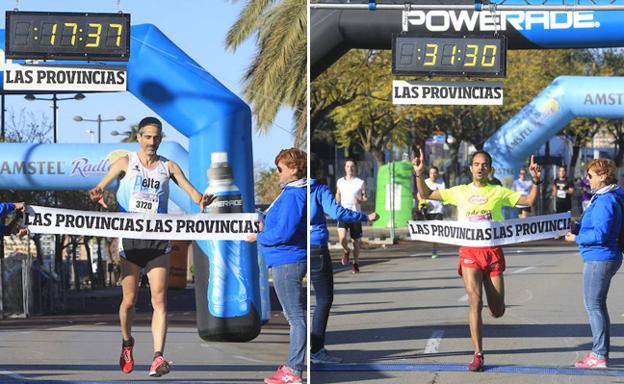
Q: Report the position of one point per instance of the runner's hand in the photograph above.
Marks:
(251, 238)
(205, 201)
(20, 207)
(570, 236)
(97, 196)
(373, 216)
(535, 169)
(21, 232)
(419, 162)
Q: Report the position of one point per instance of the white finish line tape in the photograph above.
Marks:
(148, 226)
(490, 233)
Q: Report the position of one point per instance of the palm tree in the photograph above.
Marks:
(131, 135)
(278, 74)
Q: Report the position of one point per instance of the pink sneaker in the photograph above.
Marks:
(476, 365)
(283, 375)
(345, 257)
(159, 367)
(126, 361)
(591, 361)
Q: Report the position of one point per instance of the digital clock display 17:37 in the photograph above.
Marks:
(66, 35)
(449, 56)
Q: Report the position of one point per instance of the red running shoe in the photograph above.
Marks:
(283, 375)
(159, 367)
(591, 361)
(126, 361)
(355, 268)
(345, 257)
(476, 365)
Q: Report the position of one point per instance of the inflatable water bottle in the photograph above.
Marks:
(225, 310)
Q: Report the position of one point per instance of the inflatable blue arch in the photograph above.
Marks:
(566, 98)
(214, 119)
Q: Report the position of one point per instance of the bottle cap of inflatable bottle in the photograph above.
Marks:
(218, 157)
(219, 167)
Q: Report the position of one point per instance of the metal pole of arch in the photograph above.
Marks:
(2, 237)
(392, 223)
(473, 7)
(55, 116)
(2, 118)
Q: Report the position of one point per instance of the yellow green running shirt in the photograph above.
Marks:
(479, 204)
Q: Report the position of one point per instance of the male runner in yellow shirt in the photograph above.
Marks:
(479, 266)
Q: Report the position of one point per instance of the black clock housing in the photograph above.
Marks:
(67, 36)
(478, 56)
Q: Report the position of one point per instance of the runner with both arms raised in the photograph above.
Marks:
(480, 267)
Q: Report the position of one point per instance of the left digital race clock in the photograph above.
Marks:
(67, 36)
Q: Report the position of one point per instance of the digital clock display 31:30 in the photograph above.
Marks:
(449, 56)
(63, 35)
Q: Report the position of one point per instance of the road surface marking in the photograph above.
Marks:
(433, 344)
(248, 359)
(13, 375)
(524, 269)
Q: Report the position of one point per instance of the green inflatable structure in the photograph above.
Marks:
(398, 176)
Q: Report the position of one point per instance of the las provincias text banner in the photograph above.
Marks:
(490, 233)
(148, 226)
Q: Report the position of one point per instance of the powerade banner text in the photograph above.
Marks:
(490, 233)
(524, 29)
(202, 226)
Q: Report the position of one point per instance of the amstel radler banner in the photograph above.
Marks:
(199, 226)
(490, 233)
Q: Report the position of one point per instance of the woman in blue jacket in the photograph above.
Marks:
(322, 202)
(598, 240)
(284, 246)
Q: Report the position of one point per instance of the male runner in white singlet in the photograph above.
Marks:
(350, 192)
(144, 187)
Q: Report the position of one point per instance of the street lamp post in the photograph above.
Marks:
(54, 99)
(57, 238)
(99, 122)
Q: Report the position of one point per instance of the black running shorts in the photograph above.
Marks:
(141, 252)
(355, 229)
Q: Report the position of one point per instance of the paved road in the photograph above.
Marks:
(403, 319)
(85, 348)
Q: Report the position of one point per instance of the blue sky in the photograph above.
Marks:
(198, 27)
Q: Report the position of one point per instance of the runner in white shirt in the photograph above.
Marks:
(350, 192)
(434, 207)
(522, 185)
(144, 187)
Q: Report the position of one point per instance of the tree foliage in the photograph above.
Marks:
(351, 102)
(277, 75)
(130, 136)
(267, 185)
